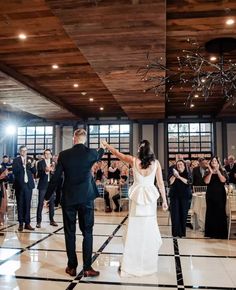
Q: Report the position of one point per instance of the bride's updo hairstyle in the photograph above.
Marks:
(145, 154)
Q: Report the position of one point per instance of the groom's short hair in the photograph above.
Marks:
(80, 133)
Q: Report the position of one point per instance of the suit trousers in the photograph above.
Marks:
(23, 198)
(41, 196)
(85, 214)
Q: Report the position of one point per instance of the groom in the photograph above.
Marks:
(78, 194)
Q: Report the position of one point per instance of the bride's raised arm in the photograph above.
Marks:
(123, 157)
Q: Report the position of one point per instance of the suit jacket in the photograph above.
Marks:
(198, 179)
(79, 186)
(19, 173)
(43, 177)
(231, 173)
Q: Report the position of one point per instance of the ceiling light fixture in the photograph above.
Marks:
(195, 72)
(75, 85)
(91, 99)
(83, 93)
(22, 36)
(230, 21)
(55, 66)
(101, 108)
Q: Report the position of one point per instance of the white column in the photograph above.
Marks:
(135, 138)
(160, 140)
(219, 141)
(231, 139)
(67, 135)
(148, 133)
(58, 139)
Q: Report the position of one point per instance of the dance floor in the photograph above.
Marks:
(37, 260)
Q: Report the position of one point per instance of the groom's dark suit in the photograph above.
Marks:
(78, 194)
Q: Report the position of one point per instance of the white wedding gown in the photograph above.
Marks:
(143, 239)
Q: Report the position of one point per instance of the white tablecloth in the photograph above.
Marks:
(199, 209)
(113, 190)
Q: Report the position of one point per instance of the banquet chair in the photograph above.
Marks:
(202, 188)
(232, 212)
(99, 202)
(124, 198)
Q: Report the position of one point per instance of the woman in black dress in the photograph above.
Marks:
(216, 220)
(179, 194)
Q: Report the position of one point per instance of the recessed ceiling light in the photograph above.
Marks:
(55, 66)
(22, 36)
(83, 93)
(4, 103)
(203, 80)
(229, 21)
(91, 99)
(213, 58)
(196, 96)
(75, 85)
(192, 105)
(101, 108)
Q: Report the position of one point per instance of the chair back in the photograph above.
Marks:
(200, 188)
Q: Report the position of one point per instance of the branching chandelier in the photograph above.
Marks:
(201, 75)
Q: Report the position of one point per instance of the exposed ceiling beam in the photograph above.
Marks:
(32, 86)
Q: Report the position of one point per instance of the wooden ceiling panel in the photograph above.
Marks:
(115, 36)
(31, 60)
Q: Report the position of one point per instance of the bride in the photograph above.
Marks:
(143, 239)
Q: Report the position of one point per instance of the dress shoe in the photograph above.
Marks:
(91, 273)
(54, 224)
(28, 227)
(20, 229)
(38, 225)
(108, 209)
(71, 271)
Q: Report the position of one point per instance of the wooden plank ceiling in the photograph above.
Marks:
(202, 21)
(115, 36)
(100, 44)
(30, 61)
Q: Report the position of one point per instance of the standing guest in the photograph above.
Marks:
(216, 220)
(231, 169)
(24, 170)
(45, 168)
(180, 194)
(3, 194)
(58, 189)
(78, 194)
(7, 164)
(189, 166)
(198, 172)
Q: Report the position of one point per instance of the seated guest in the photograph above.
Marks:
(105, 194)
(198, 172)
(124, 188)
(113, 172)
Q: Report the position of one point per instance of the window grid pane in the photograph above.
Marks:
(35, 138)
(186, 138)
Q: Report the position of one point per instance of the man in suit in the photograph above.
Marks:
(78, 194)
(45, 168)
(199, 172)
(23, 170)
(231, 169)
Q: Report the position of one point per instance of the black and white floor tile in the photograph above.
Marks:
(37, 260)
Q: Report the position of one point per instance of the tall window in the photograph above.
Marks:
(193, 140)
(117, 135)
(36, 138)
